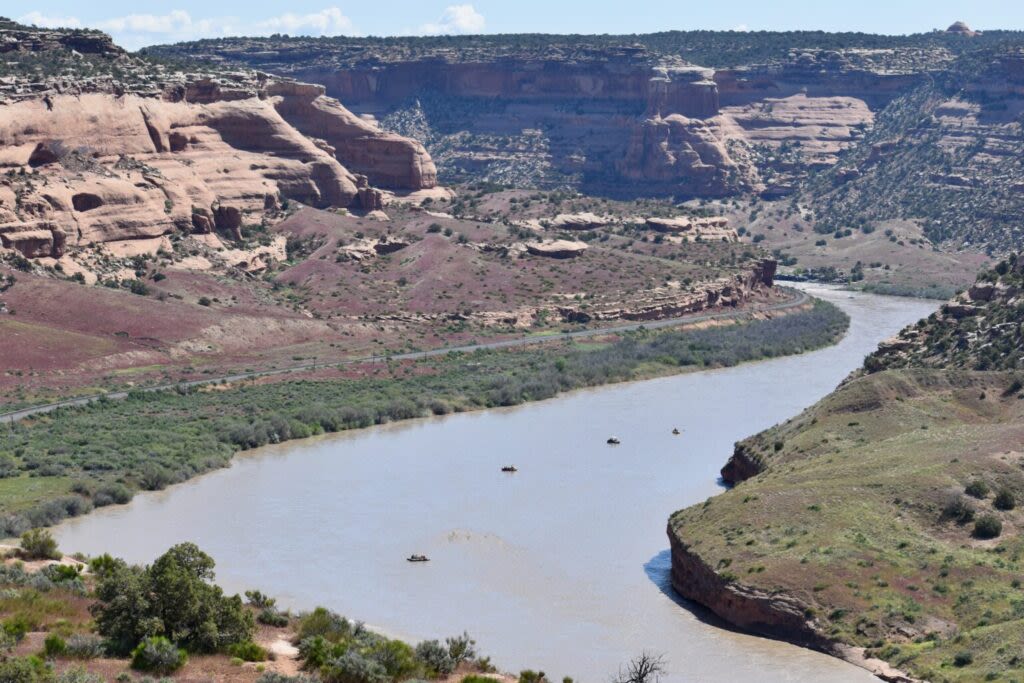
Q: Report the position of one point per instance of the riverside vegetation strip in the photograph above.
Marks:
(886, 516)
(91, 621)
(69, 461)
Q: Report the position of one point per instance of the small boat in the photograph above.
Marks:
(509, 468)
(613, 440)
(418, 558)
(676, 431)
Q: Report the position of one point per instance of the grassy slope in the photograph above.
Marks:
(848, 514)
(151, 440)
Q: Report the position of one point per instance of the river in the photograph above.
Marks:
(562, 566)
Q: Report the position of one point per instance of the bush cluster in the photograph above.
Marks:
(340, 651)
(174, 598)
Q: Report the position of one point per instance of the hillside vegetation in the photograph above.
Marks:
(718, 49)
(888, 513)
(948, 154)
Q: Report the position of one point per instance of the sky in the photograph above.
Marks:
(134, 24)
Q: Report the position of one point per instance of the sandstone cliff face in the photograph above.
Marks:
(684, 155)
(665, 127)
(624, 119)
(100, 167)
(387, 159)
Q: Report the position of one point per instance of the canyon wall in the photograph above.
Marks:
(633, 125)
(618, 119)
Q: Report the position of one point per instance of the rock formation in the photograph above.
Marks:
(559, 249)
(136, 151)
(617, 114)
(577, 221)
(387, 159)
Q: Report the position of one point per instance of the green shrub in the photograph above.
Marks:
(23, 670)
(314, 652)
(274, 677)
(529, 676)
(84, 646)
(461, 648)
(961, 659)
(1005, 500)
(158, 655)
(271, 617)
(54, 646)
(397, 658)
(16, 627)
(79, 675)
(111, 494)
(325, 623)
(248, 652)
(976, 489)
(353, 667)
(988, 526)
(39, 544)
(259, 600)
(435, 657)
(958, 510)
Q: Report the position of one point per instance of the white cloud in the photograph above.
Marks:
(39, 19)
(742, 27)
(137, 30)
(456, 19)
(327, 22)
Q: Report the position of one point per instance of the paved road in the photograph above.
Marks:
(799, 299)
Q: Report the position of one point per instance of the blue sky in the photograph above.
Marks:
(135, 24)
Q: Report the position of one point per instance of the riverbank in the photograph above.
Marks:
(881, 525)
(67, 462)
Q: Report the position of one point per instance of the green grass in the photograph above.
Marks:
(24, 491)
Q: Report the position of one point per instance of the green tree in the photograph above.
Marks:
(123, 611)
(174, 598)
(193, 611)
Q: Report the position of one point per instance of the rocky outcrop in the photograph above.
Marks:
(387, 159)
(680, 154)
(559, 249)
(713, 228)
(15, 38)
(130, 149)
(773, 614)
(132, 167)
(200, 157)
(961, 29)
(577, 221)
(744, 463)
(674, 300)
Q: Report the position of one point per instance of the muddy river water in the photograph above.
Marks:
(562, 566)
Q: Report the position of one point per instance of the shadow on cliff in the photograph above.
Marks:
(659, 571)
